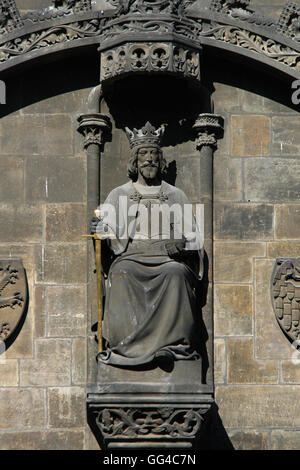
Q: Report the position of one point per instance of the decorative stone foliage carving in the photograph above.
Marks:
(254, 42)
(139, 423)
(49, 37)
(285, 292)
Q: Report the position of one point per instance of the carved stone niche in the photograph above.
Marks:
(161, 404)
(150, 37)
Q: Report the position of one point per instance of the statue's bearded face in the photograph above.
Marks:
(149, 162)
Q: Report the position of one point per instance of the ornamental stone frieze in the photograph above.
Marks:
(183, 29)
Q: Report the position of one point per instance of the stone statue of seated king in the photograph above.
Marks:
(156, 246)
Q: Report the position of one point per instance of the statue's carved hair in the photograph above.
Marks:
(132, 167)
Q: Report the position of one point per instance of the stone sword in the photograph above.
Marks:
(98, 239)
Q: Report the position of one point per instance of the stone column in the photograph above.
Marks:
(95, 129)
(209, 128)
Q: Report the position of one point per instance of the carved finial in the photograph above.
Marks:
(148, 135)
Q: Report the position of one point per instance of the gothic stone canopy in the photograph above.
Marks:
(158, 35)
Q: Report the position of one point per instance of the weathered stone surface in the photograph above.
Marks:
(228, 179)
(40, 316)
(253, 406)
(92, 350)
(270, 342)
(287, 221)
(250, 135)
(9, 371)
(282, 439)
(90, 440)
(79, 361)
(272, 180)
(290, 370)
(252, 102)
(55, 179)
(23, 140)
(36, 134)
(11, 179)
(243, 221)
(62, 264)
(66, 407)
(51, 366)
(22, 408)
(69, 102)
(239, 255)
(191, 185)
(43, 440)
(66, 311)
(220, 361)
(227, 98)
(286, 136)
(249, 440)
(244, 368)
(65, 222)
(283, 249)
(233, 310)
(20, 223)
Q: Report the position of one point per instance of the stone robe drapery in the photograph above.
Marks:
(150, 305)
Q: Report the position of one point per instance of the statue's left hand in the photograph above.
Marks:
(175, 248)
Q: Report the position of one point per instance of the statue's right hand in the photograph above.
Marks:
(94, 224)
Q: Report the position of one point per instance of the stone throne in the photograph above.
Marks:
(150, 69)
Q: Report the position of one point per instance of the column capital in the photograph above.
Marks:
(95, 128)
(209, 128)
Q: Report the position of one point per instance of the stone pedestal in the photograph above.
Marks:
(164, 409)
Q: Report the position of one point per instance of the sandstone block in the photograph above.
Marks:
(22, 408)
(244, 368)
(287, 221)
(55, 179)
(42, 440)
(65, 222)
(66, 311)
(66, 407)
(51, 366)
(286, 137)
(20, 223)
(79, 361)
(272, 180)
(228, 179)
(243, 221)
(220, 361)
(9, 375)
(250, 135)
(283, 250)
(62, 264)
(240, 257)
(233, 310)
(11, 179)
(254, 406)
(249, 440)
(282, 439)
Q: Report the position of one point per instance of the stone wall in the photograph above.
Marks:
(43, 218)
(256, 219)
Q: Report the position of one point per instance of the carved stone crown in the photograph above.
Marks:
(148, 135)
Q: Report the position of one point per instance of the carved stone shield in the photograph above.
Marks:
(13, 296)
(285, 292)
